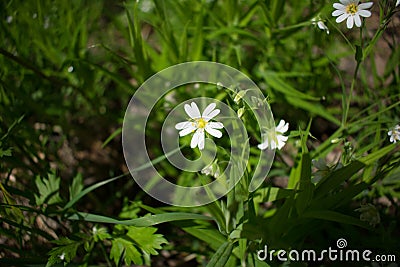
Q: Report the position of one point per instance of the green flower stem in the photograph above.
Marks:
(346, 111)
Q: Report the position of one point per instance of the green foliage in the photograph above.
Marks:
(136, 244)
(65, 250)
(68, 69)
(48, 190)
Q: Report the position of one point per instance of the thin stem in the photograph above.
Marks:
(105, 254)
(353, 82)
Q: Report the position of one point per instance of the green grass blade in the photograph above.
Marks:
(333, 216)
(142, 221)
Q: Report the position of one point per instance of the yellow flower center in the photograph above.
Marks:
(352, 9)
(201, 123)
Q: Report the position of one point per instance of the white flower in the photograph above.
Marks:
(212, 170)
(198, 123)
(317, 21)
(394, 134)
(62, 256)
(398, 2)
(351, 10)
(275, 139)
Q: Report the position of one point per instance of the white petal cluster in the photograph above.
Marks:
(199, 124)
(275, 139)
(320, 24)
(394, 134)
(351, 10)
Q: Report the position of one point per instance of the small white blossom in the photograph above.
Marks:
(62, 256)
(351, 10)
(198, 123)
(394, 134)
(212, 170)
(9, 19)
(397, 3)
(275, 139)
(320, 24)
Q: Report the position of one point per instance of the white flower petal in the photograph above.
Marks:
(357, 20)
(215, 125)
(187, 130)
(263, 145)
(272, 145)
(339, 7)
(195, 139)
(345, 2)
(398, 2)
(213, 132)
(282, 127)
(211, 115)
(182, 125)
(338, 13)
(201, 140)
(364, 13)
(342, 17)
(322, 26)
(365, 5)
(208, 110)
(281, 141)
(192, 110)
(350, 22)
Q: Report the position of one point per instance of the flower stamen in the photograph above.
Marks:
(201, 123)
(352, 9)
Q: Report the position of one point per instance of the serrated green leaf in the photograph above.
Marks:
(146, 239)
(5, 153)
(76, 187)
(124, 249)
(48, 190)
(65, 251)
(100, 234)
